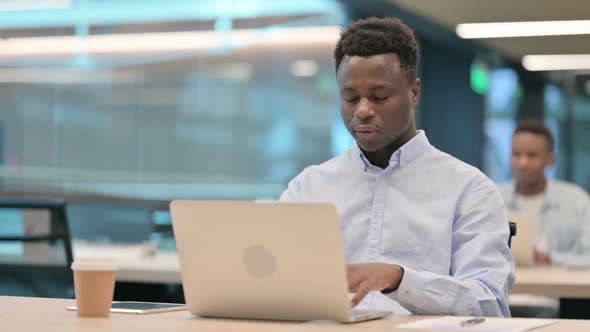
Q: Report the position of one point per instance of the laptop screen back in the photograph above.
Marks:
(261, 260)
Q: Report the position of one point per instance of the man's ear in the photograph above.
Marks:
(550, 159)
(415, 92)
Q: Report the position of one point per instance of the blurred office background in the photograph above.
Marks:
(231, 99)
(120, 106)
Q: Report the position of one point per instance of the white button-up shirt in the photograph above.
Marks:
(440, 219)
(565, 217)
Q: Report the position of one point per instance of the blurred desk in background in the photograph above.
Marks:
(570, 285)
(145, 263)
(142, 263)
(555, 281)
(144, 274)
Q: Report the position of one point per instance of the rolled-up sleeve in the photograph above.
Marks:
(482, 268)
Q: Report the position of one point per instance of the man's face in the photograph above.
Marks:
(376, 100)
(530, 155)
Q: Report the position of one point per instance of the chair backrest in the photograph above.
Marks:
(512, 227)
(39, 276)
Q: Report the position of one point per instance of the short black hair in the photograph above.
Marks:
(373, 36)
(536, 127)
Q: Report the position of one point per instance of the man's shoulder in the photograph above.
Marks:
(456, 173)
(568, 189)
(454, 166)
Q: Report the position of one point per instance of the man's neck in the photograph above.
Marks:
(532, 188)
(379, 158)
(382, 157)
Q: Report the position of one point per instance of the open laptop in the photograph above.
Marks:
(280, 261)
(522, 243)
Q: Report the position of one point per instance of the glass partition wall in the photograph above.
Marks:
(199, 100)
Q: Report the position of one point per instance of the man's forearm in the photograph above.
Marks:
(424, 292)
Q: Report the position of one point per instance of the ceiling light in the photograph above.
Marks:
(17, 5)
(164, 42)
(522, 29)
(556, 62)
(61, 76)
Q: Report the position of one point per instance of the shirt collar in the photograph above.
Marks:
(406, 154)
(551, 200)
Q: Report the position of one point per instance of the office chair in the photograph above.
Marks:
(512, 226)
(39, 276)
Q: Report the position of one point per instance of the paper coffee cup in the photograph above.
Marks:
(94, 283)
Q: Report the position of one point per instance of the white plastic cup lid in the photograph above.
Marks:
(94, 264)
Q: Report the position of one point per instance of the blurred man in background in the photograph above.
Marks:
(557, 213)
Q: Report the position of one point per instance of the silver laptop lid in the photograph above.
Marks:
(261, 260)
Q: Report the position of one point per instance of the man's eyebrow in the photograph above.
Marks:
(378, 87)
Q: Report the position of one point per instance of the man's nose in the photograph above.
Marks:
(364, 109)
(522, 161)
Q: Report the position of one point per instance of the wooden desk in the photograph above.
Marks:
(49, 315)
(553, 281)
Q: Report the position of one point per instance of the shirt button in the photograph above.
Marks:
(405, 295)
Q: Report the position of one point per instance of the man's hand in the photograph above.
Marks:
(542, 258)
(363, 278)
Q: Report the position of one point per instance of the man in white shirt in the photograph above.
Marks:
(558, 212)
(423, 232)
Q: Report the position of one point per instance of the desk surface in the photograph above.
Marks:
(50, 316)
